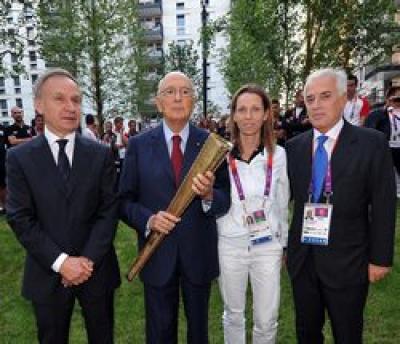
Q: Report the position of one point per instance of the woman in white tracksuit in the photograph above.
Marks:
(253, 234)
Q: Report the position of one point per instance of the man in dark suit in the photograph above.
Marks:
(156, 163)
(296, 119)
(65, 217)
(345, 170)
(387, 120)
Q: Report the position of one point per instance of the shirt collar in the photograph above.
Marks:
(332, 133)
(52, 138)
(236, 153)
(168, 133)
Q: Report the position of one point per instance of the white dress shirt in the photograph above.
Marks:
(86, 132)
(69, 151)
(332, 134)
(168, 134)
(252, 176)
(352, 110)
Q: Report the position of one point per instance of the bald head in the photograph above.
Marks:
(173, 75)
(17, 114)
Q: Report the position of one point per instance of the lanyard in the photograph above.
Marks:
(238, 183)
(394, 120)
(328, 189)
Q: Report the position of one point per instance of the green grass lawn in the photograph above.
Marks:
(382, 320)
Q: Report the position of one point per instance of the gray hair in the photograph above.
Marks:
(49, 73)
(176, 73)
(338, 74)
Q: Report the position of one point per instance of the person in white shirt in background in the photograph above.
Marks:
(120, 144)
(357, 107)
(90, 131)
(253, 234)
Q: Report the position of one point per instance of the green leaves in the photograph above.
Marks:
(278, 43)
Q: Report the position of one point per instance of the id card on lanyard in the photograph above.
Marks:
(395, 130)
(256, 221)
(317, 216)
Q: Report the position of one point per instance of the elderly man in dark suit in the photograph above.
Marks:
(62, 209)
(155, 165)
(343, 176)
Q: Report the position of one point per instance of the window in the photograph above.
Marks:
(32, 56)
(18, 102)
(181, 42)
(180, 5)
(14, 58)
(2, 85)
(29, 32)
(3, 104)
(34, 78)
(17, 81)
(180, 24)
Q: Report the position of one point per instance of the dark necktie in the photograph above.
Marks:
(176, 157)
(320, 165)
(63, 162)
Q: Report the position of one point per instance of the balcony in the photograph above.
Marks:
(150, 9)
(387, 69)
(153, 34)
(154, 57)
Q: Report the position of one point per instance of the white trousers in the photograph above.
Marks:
(238, 262)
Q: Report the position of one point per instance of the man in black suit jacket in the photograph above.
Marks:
(65, 217)
(187, 259)
(335, 277)
(387, 120)
(296, 119)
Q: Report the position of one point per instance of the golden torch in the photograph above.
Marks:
(210, 157)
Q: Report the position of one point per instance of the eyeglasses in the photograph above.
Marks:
(184, 92)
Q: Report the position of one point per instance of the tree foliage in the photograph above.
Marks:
(278, 43)
(96, 41)
(184, 58)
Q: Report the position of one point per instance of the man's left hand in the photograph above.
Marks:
(203, 185)
(376, 272)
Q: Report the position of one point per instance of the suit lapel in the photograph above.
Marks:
(193, 146)
(343, 151)
(43, 157)
(161, 154)
(306, 159)
(80, 163)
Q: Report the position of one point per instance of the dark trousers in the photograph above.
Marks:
(53, 318)
(344, 306)
(162, 305)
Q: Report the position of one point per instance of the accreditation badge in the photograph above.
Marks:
(316, 223)
(259, 227)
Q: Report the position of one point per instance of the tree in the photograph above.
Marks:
(93, 39)
(13, 36)
(264, 46)
(184, 58)
(278, 43)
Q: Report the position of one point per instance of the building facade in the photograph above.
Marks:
(16, 89)
(180, 21)
(375, 79)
